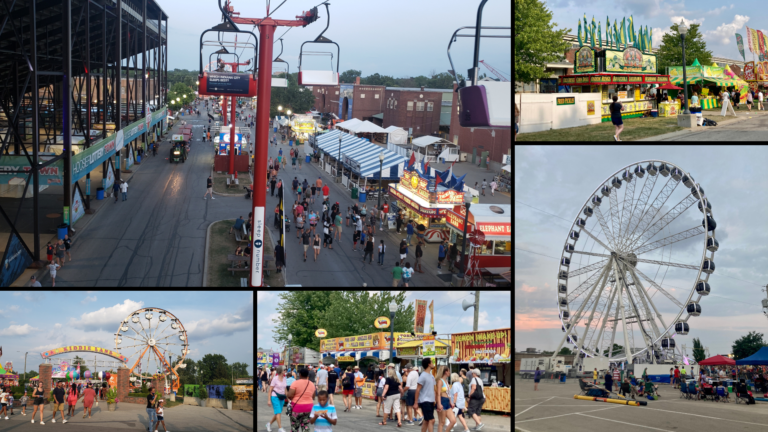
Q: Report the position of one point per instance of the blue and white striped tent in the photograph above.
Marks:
(365, 153)
(358, 355)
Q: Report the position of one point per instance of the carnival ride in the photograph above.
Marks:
(607, 283)
(486, 104)
(155, 342)
(319, 77)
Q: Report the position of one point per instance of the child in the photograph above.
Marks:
(3, 403)
(323, 415)
(159, 411)
(24, 400)
(10, 401)
(52, 267)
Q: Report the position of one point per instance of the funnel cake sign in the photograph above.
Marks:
(492, 346)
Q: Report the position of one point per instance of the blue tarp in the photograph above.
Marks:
(758, 358)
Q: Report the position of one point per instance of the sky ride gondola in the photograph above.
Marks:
(319, 77)
(482, 104)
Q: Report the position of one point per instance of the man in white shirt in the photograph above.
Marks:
(124, 189)
(410, 394)
(760, 100)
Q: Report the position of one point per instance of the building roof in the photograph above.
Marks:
(379, 116)
(426, 140)
(419, 89)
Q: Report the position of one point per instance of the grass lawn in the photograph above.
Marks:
(634, 128)
(222, 244)
(220, 184)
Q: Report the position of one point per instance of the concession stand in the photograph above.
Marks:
(708, 82)
(490, 351)
(755, 74)
(495, 221)
(629, 74)
(426, 199)
(303, 126)
(412, 352)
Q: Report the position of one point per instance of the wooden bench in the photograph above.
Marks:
(232, 182)
(241, 235)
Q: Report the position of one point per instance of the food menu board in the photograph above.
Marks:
(352, 343)
(492, 346)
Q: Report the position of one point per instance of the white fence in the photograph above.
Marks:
(540, 112)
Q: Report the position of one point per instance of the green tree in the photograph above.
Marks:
(698, 350)
(297, 98)
(617, 349)
(747, 345)
(239, 370)
(349, 76)
(547, 353)
(565, 351)
(213, 366)
(536, 40)
(671, 49)
(377, 79)
(182, 91)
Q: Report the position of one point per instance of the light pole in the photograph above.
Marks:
(338, 160)
(290, 339)
(683, 30)
(392, 310)
(464, 240)
(381, 163)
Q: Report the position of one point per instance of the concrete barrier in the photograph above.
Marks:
(220, 403)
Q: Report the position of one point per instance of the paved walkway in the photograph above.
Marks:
(133, 417)
(750, 126)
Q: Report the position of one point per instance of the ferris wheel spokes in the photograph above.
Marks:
(642, 202)
(606, 229)
(658, 203)
(665, 220)
(658, 288)
(629, 195)
(674, 238)
(577, 317)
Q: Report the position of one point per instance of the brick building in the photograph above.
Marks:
(498, 142)
(416, 110)
(349, 101)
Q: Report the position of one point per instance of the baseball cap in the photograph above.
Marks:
(391, 365)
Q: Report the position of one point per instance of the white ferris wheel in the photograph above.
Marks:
(626, 239)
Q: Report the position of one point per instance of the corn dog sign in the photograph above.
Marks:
(381, 322)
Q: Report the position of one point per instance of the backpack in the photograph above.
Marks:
(708, 122)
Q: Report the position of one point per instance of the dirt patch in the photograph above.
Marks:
(220, 183)
(221, 244)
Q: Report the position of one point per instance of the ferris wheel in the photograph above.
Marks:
(138, 335)
(616, 257)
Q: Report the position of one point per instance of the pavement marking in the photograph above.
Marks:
(563, 415)
(709, 417)
(543, 397)
(533, 406)
(521, 430)
(626, 423)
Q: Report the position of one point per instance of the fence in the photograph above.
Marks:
(545, 111)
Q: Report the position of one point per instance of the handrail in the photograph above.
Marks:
(454, 36)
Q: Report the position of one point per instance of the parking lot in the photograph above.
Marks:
(553, 408)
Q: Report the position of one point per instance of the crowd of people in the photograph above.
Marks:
(411, 397)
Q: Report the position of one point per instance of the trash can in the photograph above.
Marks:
(562, 377)
(363, 196)
(275, 131)
(100, 193)
(654, 113)
(290, 143)
(308, 159)
(354, 193)
(62, 230)
(138, 158)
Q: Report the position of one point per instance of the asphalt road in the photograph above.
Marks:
(751, 126)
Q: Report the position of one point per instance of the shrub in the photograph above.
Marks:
(220, 381)
(229, 394)
(203, 393)
(111, 395)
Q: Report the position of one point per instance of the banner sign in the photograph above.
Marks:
(740, 43)
(495, 228)
(584, 61)
(84, 348)
(345, 358)
(191, 390)
(321, 333)
(381, 322)
(359, 343)
(51, 175)
(215, 391)
(229, 83)
(629, 107)
(134, 130)
(420, 316)
(15, 261)
(78, 209)
(328, 345)
(631, 60)
(90, 158)
(493, 346)
(424, 211)
(450, 196)
(566, 101)
(413, 182)
(244, 381)
(428, 346)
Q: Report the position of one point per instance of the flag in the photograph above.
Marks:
(631, 29)
(412, 160)
(426, 167)
(593, 29)
(450, 173)
(608, 31)
(760, 42)
(599, 35)
(740, 43)
(650, 40)
(432, 316)
(624, 32)
(581, 43)
(616, 37)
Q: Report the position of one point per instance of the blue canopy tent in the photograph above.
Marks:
(758, 358)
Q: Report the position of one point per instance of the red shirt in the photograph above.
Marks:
(386, 208)
(677, 373)
(326, 190)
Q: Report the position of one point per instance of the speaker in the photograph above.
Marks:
(466, 305)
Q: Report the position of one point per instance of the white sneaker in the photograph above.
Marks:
(42, 423)
(213, 198)
(33, 420)
(64, 421)
(53, 420)
(269, 427)
(23, 414)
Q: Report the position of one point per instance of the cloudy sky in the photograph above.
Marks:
(398, 37)
(218, 322)
(719, 20)
(495, 309)
(552, 184)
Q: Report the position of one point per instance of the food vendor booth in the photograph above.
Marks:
(490, 351)
(708, 82)
(426, 199)
(223, 141)
(755, 74)
(494, 220)
(303, 126)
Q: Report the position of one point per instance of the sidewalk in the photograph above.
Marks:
(742, 115)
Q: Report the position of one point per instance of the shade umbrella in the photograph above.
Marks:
(670, 87)
(717, 360)
(758, 358)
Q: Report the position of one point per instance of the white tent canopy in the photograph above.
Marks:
(348, 124)
(507, 168)
(366, 127)
(426, 140)
(397, 135)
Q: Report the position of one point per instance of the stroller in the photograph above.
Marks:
(248, 192)
(743, 394)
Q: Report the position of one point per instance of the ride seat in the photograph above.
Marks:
(486, 105)
(314, 77)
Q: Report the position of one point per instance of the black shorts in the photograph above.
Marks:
(428, 409)
(331, 388)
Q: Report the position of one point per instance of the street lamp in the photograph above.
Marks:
(280, 108)
(288, 112)
(338, 160)
(392, 310)
(197, 82)
(683, 30)
(381, 163)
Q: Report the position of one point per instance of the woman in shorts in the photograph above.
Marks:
(457, 398)
(407, 273)
(39, 396)
(317, 245)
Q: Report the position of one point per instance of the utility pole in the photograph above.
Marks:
(477, 310)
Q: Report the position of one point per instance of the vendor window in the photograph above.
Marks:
(502, 248)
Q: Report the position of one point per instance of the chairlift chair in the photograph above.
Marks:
(221, 83)
(319, 77)
(486, 104)
(280, 82)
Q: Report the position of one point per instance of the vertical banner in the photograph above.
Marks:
(749, 40)
(431, 316)
(420, 316)
(740, 43)
(15, 261)
(760, 42)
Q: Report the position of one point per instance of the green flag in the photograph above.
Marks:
(581, 44)
(592, 30)
(608, 31)
(650, 40)
(599, 35)
(624, 32)
(616, 37)
(631, 30)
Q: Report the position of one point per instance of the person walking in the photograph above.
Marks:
(115, 190)
(151, 413)
(425, 395)
(333, 378)
(316, 245)
(301, 395)
(89, 395)
(615, 110)
(446, 415)
(442, 251)
(409, 231)
(749, 101)
(494, 185)
(272, 184)
(369, 250)
(277, 389)
(52, 267)
(457, 399)
(760, 97)
(399, 221)
(321, 380)
(419, 255)
(124, 189)
(60, 249)
(483, 186)
(476, 399)
(67, 245)
(59, 396)
(392, 392)
(453, 255)
(305, 240)
(359, 381)
(348, 388)
(337, 224)
(380, 382)
(39, 402)
(299, 226)
(409, 390)
(382, 251)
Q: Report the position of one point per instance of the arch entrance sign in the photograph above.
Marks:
(46, 355)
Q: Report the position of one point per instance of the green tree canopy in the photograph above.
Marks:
(671, 49)
(536, 40)
(617, 349)
(565, 351)
(698, 350)
(180, 90)
(294, 97)
(747, 345)
(213, 366)
(349, 76)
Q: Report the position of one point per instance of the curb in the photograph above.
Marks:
(205, 262)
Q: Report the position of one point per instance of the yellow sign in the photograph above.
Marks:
(622, 95)
(345, 358)
(321, 333)
(381, 322)
(84, 348)
(590, 108)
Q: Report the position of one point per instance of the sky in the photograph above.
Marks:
(398, 37)
(719, 20)
(552, 183)
(495, 312)
(218, 322)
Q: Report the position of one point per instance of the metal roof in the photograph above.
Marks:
(419, 89)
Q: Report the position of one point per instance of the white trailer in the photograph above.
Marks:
(547, 364)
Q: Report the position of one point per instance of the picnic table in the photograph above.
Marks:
(238, 259)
